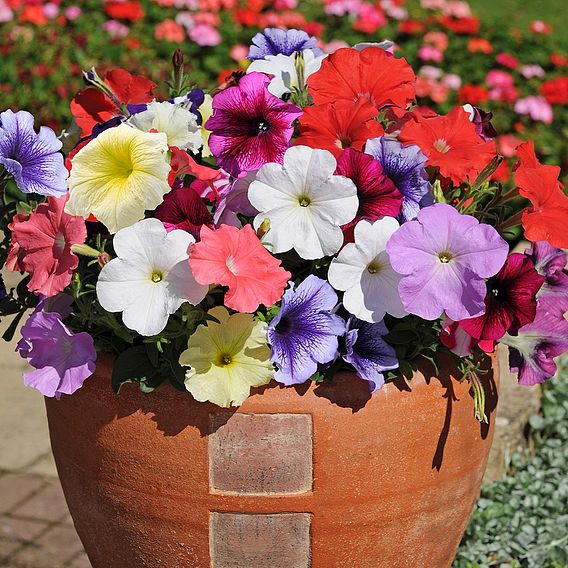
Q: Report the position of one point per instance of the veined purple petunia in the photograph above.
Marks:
(250, 127)
(444, 258)
(533, 350)
(32, 158)
(305, 331)
(62, 359)
(550, 262)
(368, 352)
(404, 165)
(273, 41)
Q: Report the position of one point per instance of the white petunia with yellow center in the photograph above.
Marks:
(290, 71)
(226, 359)
(150, 278)
(304, 202)
(119, 175)
(362, 270)
(178, 123)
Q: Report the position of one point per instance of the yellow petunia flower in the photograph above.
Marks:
(206, 110)
(119, 175)
(226, 359)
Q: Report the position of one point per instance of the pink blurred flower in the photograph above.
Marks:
(169, 30)
(342, 7)
(207, 19)
(204, 35)
(115, 29)
(540, 27)
(452, 81)
(369, 19)
(507, 145)
(537, 108)
(430, 72)
(507, 60)
(438, 39)
(239, 52)
(430, 53)
(532, 71)
(6, 14)
(185, 19)
(457, 9)
(73, 12)
(433, 4)
(51, 10)
(285, 4)
(501, 86)
(334, 45)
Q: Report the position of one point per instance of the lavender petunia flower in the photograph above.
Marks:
(533, 350)
(305, 332)
(550, 262)
(404, 165)
(62, 359)
(32, 158)
(368, 352)
(250, 127)
(234, 199)
(273, 41)
(445, 258)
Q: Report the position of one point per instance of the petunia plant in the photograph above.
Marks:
(304, 218)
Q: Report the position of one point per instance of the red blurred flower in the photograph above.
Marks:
(555, 91)
(247, 18)
(461, 26)
(314, 28)
(371, 74)
(169, 30)
(132, 11)
(473, 94)
(411, 27)
(510, 302)
(33, 15)
(339, 125)
(479, 45)
(546, 219)
(507, 60)
(451, 143)
(369, 19)
(558, 60)
(377, 194)
(91, 106)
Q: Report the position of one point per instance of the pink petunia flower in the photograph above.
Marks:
(237, 259)
(204, 35)
(44, 244)
(537, 108)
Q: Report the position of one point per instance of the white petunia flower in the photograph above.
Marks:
(290, 71)
(363, 271)
(305, 203)
(175, 121)
(150, 278)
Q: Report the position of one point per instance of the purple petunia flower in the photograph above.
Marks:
(482, 121)
(532, 351)
(368, 352)
(273, 41)
(305, 332)
(62, 359)
(404, 165)
(445, 257)
(550, 262)
(250, 127)
(32, 158)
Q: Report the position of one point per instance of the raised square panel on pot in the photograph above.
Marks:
(241, 540)
(260, 454)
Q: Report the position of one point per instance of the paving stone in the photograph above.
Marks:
(7, 549)
(16, 488)
(54, 549)
(80, 562)
(22, 530)
(48, 504)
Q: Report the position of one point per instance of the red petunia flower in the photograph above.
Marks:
(460, 26)
(132, 11)
(371, 74)
(378, 196)
(473, 94)
(451, 143)
(546, 219)
(91, 106)
(555, 91)
(339, 125)
(510, 302)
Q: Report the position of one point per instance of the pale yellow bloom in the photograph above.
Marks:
(119, 175)
(206, 110)
(226, 359)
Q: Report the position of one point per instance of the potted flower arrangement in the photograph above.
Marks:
(304, 278)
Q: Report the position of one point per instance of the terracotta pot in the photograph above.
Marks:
(295, 478)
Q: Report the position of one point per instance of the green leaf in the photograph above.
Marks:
(132, 365)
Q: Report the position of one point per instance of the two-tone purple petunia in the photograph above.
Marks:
(550, 262)
(32, 158)
(305, 331)
(273, 41)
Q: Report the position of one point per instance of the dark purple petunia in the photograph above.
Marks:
(550, 262)
(510, 302)
(533, 350)
(482, 121)
(62, 359)
(273, 41)
(250, 127)
(368, 352)
(183, 209)
(32, 158)
(305, 331)
(3, 292)
(404, 165)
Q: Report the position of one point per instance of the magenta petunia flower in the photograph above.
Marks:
(444, 258)
(250, 127)
(510, 301)
(550, 262)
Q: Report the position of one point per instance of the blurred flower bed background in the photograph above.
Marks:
(496, 55)
(509, 57)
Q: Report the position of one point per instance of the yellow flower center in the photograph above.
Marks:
(373, 267)
(445, 257)
(223, 360)
(157, 276)
(304, 200)
(442, 145)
